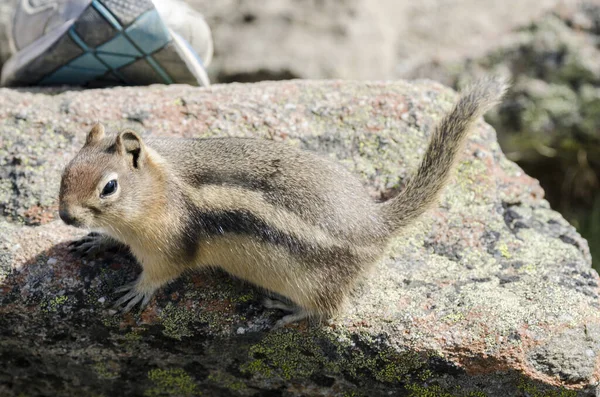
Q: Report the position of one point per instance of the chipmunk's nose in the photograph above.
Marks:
(67, 217)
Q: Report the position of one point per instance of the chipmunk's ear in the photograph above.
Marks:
(96, 134)
(131, 145)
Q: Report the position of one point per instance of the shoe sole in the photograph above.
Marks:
(129, 45)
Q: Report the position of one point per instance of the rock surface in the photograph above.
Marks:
(490, 294)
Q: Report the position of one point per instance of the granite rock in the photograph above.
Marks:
(491, 293)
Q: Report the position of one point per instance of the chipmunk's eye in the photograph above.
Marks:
(109, 188)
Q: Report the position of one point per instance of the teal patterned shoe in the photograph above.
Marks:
(98, 43)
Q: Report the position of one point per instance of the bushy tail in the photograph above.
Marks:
(446, 143)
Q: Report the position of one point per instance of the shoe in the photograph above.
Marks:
(188, 23)
(99, 43)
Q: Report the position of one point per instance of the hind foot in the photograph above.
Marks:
(296, 313)
(299, 315)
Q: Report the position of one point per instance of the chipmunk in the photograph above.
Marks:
(284, 219)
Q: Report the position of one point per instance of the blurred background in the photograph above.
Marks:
(550, 122)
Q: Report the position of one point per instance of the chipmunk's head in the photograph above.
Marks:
(107, 183)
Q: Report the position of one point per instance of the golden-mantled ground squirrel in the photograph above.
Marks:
(287, 220)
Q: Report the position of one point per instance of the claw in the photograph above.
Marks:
(126, 287)
(134, 301)
(131, 298)
(291, 318)
(91, 244)
(125, 298)
(296, 312)
(270, 303)
(74, 245)
(86, 245)
(146, 300)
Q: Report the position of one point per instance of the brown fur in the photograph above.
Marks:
(284, 219)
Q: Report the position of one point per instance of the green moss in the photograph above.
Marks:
(454, 317)
(427, 391)
(286, 355)
(175, 321)
(472, 176)
(133, 337)
(227, 380)
(396, 367)
(291, 355)
(437, 391)
(503, 248)
(111, 321)
(244, 297)
(532, 390)
(352, 394)
(106, 371)
(425, 375)
(257, 366)
(54, 304)
(171, 382)
(528, 268)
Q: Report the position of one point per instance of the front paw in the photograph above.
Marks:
(135, 293)
(93, 244)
